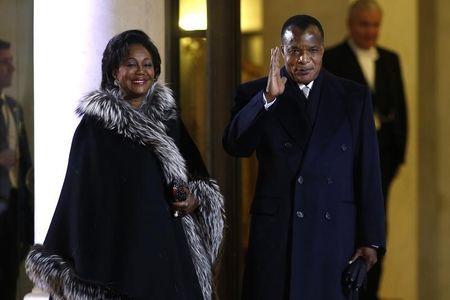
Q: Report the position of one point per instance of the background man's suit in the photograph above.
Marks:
(389, 103)
(318, 194)
(16, 216)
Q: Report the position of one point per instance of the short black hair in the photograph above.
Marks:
(302, 22)
(4, 44)
(117, 50)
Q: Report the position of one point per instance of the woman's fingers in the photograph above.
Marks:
(185, 207)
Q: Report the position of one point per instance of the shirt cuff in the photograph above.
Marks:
(268, 104)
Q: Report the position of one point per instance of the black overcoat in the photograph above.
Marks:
(318, 193)
(113, 235)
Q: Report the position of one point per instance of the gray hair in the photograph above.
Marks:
(359, 5)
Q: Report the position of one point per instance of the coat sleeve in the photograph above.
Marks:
(244, 132)
(367, 182)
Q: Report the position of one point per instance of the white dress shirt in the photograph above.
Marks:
(300, 86)
(366, 59)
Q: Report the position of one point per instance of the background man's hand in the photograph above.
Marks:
(275, 83)
(7, 158)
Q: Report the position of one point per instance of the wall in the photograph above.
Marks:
(434, 150)
(400, 277)
(443, 172)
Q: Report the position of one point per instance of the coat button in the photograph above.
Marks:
(300, 180)
(329, 180)
(287, 145)
(300, 214)
(345, 147)
(327, 216)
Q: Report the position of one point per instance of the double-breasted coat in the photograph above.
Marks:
(318, 194)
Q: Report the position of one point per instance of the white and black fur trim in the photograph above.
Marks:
(146, 126)
(210, 210)
(53, 274)
(204, 231)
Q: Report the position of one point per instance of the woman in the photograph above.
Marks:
(116, 232)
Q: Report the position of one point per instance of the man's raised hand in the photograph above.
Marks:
(275, 83)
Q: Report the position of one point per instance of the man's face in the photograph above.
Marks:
(364, 26)
(302, 53)
(6, 68)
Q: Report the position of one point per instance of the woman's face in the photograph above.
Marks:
(136, 73)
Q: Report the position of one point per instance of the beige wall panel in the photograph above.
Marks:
(400, 280)
(434, 150)
(443, 134)
(428, 152)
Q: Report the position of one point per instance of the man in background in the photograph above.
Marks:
(358, 58)
(16, 216)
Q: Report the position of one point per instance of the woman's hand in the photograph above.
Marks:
(188, 206)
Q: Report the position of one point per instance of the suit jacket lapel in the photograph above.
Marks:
(380, 73)
(291, 113)
(330, 114)
(353, 66)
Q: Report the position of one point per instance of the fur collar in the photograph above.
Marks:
(146, 125)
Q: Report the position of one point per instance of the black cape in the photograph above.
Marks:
(112, 235)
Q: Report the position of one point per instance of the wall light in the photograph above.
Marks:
(192, 15)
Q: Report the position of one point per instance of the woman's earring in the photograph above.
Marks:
(116, 82)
